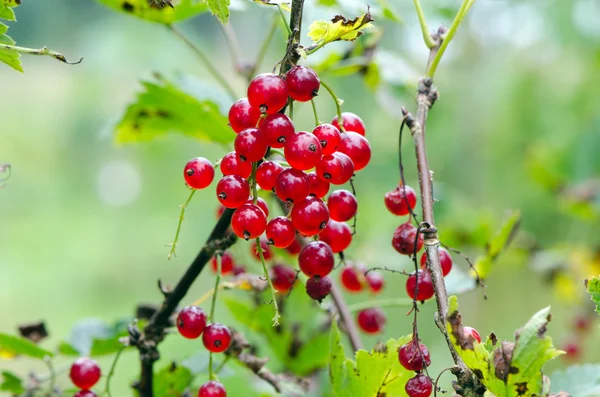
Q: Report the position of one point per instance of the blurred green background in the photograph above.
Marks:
(85, 223)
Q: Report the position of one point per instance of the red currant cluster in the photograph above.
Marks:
(84, 374)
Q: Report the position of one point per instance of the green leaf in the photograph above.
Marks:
(183, 9)
(162, 108)
(339, 28)
(578, 380)
(6, 11)
(172, 380)
(593, 288)
(12, 383)
(220, 9)
(14, 345)
(94, 337)
(389, 12)
(499, 242)
(9, 57)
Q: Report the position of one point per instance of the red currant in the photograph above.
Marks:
(471, 332)
(280, 232)
(350, 279)
(267, 92)
(419, 386)
(347, 168)
(330, 169)
(310, 216)
(316, 259)
(351, 123)
(572, 350)
(302, 83)
(231, 164)
(276, 129)
(248, 221)
(342, 205)
(371, 320)
(267, 173)
(318, 287)
(357, 148)
(303, 150)
(191, 321)
(266, 250)
(85, 393)
(283, 278)
(294, 248)
(318, 187)
(198, 173)
(424, 284)
(233, 191)
(212, 388)
(375, 281)
(401, 200)
(85, 373)
(242, 115)
(329, 137)
(216, 338)
(445, 260)
(292, 186)
(337, 234)
(414, 356)
(404, 239)
(250, 145)
(262, 204)
(227, 263)
(582, 323)
(239, 269)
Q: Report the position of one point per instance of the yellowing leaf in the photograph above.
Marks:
(339, 28)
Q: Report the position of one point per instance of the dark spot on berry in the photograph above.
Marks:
(217, 343)
(128, 7)
(270, 241)
(180, 323)
(189, 171)
(243, 158)
(222, 195)
(246, 235)
(323, 143)
(315, 93)
(263, 108)
(281, 139)
(322, 225)
(312, 147)
(327, 175)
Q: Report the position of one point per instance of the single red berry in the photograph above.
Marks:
(470, 331)
(292, 186)
(267, 173)
(266, 250)
(445, 260)
(375, 281)
(212, 388)
(302, 83)
(316, 259)
(280, 232)
(424, 284)
(414, 356)
(198, 173)
(342, 205)
(572, 350)
(216, 338)
(404, 239)
(310, 216)
(85, 373)
(250, 145)
(303, 151)
(337, 234)
(294, 248)
(233, 191)
(419, 386)
(227, 263)
(283, 278)
(351, 123)
(330, 169)
(239, 269)
(242, 115)
(231, 164)
(351, 279)
(400, 200)
(318, 287)
(267, 92)
(248, 221)
(262, 204)
(318, 187)
(85, 393)
(275, 129)
(371, 320)
(347, 168)
(582, 323)
(329, 137)
(191, 321)
(357, 148)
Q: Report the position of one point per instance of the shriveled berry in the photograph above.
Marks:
(233, 191)
(318, 287)
(85, 373)
(419, 386)
(404, 239)
(310, 216)
(227, 263)
(248, 221)
(342, 205)
(280, 232)
(294, 248)
(292, 186)
(266, 249)
(267, 92)
(212, 388)
(424, 285)
(400, 200)
(316, 259)
(347, 168)
(231, 164)
(276, 129)
(329, 137)
(351, 122)
(445, 260)
(471, 332)
(216, 337)
(267, 173)
(198, 173)
(318, 187)
(283, 278)
(191, 321)
(85, 393)
(330, 169)
(303, 150)
(375, 281)
(357, 148)
(249, 145)
(262, 204)
(351, 279)
(414, 356)
(242, 115)
(337, 234)
(303, 83)
(371, 320)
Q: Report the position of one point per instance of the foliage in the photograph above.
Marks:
(593, 288)
(483, 265)
(339, 28)
(579, 380)
(14, 345)
(140, 8)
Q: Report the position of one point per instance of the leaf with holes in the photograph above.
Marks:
(15, 345)
(593, 288)
(339, 28)
(182, 9)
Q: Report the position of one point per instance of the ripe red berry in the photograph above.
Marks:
(318, 187)
(351, 278)
(191, 321)
(227, 263)
(212, 388)
(470, 331)
(85, 372)
(239, 269)
(303, 150)
(316, 259)
(250, 145)
(216, 337)
(414, 356)
(267, 92)
(329, 137)
(347, 168)
(85, 393)
(424, 283)
(371, 320)
(351, 123)
(283, 278)
(262, 204)
(337, 234)
(294, 248)
(233, 191)
(302, 83)
(318, 287)
(582, 323)
(231, 164)
(342, 205)
(330, 169)
(242, 115)
(275, 129)
(267, 173)
(198, 173)
(445, 260)
(357, 148)
(310, 216)
(280, 232)
(266, 249)
(419, 386)
(399, 200)
(572, 350)
(404, 239)
(248, 221)
(292, 186)
(375, 281)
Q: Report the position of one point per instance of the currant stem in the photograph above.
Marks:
(112, 371)
(392, 302)
(429, 42)
(266, 273)
(210, 292)
(211, 375)
(338, 106)
(181, 218)
(317, 122)
(284, 19)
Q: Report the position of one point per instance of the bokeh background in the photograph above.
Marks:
(85, 222)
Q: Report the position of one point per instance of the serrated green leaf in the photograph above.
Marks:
(182, 9)
(6, 11)
(9, 57)
(339, 28)
(578, 380)
(12, 383)
(18, 345)
(172, 380)
(220, 9)
(593, 288)
(94, 337)
(500, 241)
(337, 362)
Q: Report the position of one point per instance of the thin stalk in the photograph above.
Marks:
(338, 106)
(38, 51)
(429, 42)
(211, 375)
(220, 367)
(181, 218)
(52, 372)
(314, 107)
(112, 371)
(209, 294)
(284, 19)
(233, 44)
(392, 302)
(264, 48)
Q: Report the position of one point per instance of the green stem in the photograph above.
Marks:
(206, 61)
(181, 217)
(211, 375)
(112, 371)
(38, 51)
(220, 367)
(284, 19)
(338, 105)
(264, 48)
(312, 101)
(291, 106)
(429, 42)
(52, 372)
(393, 302)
